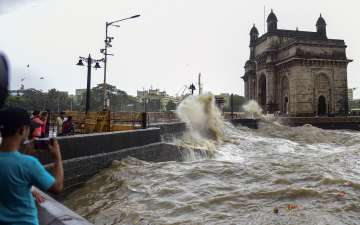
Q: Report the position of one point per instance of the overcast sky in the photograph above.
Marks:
(165, 48)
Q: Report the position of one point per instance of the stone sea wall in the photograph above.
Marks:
(85, 155)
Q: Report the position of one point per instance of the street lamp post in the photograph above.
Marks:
(144, 119)
(232, 106)
(105, 50)
(89, 62)
(192, 88)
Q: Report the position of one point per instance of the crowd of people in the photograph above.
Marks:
(40, 125)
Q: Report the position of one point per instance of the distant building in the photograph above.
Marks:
(156, 99)
(354, 107)
(79, 93)
(220, 102)
(225, 105)
(350, 94)
(72, 99)
(142, 94)
(153, 105)
(353, 103)
(66, 93)
(151, 92)
(300, 73)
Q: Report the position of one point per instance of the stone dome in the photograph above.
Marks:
(320, 21)
(254, 30)
(272, 17)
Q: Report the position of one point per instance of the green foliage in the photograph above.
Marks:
(58, 101)
(32, 99)
(119, 100)
(238, 102)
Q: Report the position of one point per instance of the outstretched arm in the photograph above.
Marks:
(58, 167)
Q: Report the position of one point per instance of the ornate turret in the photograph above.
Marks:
(254, 34)
(271, 22)
(321, 26)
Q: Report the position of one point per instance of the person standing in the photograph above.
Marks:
(68, 127)
(33, 126)
(44, 119)
(47, 125)
(59, 123)
(36, 119)
(19, 172)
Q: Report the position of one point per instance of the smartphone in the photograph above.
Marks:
(42, 144)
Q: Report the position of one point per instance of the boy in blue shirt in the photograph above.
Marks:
(19, 172)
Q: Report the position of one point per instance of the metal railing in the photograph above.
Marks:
(116, 121)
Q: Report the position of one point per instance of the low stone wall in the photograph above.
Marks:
(344, 123)
(78, 146)
(250, 123)
(52, 212)
(169, 131)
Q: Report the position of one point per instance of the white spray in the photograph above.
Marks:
(203, 120)
(253, 109)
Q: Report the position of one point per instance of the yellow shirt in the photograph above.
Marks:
(59, 125)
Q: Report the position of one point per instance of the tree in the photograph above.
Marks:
(119, 100)
(57, 101)
(32, 99)
(14, 101)
(238, 102)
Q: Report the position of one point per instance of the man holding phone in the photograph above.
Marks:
(18, 172)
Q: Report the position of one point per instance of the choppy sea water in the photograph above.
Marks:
(308, 175)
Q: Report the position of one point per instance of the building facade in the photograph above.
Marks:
(298, 73)
(79, 94)
(351, 94)
(156, 100)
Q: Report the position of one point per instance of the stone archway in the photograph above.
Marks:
(284, 95)
(286, 105)
(323, 94)
(262, 91)
(322, 108)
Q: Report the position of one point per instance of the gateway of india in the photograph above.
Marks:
(297, 73)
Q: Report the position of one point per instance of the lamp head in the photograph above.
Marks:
(97, 65)
(80, 63)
